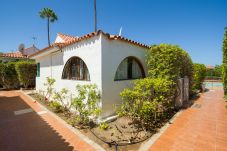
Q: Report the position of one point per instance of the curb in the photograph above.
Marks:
(146, 146)
(74, 130)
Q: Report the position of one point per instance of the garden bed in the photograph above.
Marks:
(121, 132)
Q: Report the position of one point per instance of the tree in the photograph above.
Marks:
(224, 61)
(49, 14)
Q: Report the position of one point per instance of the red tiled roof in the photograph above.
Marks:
(17, 54)
(210, 67)
(66, 38)
(87, 36)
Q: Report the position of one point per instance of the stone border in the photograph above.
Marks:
(74, 130)
(146, 146)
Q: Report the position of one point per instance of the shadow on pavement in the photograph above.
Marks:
(26, 132)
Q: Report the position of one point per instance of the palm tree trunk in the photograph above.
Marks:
(95, 15)
(48, 30)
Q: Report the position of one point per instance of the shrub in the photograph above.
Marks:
(199, 75)
(61, 97)
(26, 71)
(49, 87)
(224, 62)
(8, 75)
(171, 62)
(103, 126)
(152, 98)
(56, 106)
(147, 100)
(86, 102)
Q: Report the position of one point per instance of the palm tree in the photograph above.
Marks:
(49, 14)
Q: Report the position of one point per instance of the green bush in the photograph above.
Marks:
(61, 97)
(26, 71)
(224, 78)
(171, 62)
(199, 75)
(224, 62)
(152, 98)
(8, 75)
(56, 106)
(147, 100)
(86, 102)
(49, 88)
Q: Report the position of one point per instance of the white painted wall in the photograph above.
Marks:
(89, 51)
(113, 53)
(102, 57)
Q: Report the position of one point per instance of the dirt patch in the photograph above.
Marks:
(121, 133)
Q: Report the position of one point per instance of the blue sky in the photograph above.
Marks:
(195, 25)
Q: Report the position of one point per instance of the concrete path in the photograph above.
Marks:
(203, 127)
(25, 126)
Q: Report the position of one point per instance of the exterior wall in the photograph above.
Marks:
(52, 64)
(102, 57)
(113, 53)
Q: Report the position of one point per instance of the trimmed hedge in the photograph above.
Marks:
(26, 71)
(8, 75)
(171, 62)
(152, 98)
(199, 75)
(14, 74)
(224, 61)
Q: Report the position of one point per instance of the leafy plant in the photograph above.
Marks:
(199, 75)
(147, 100)
(8, 75)
(26, 71)
(61, 97)
(171, 62)
(49, 88)
(103, 126)
(224, 62)
(86, 102)
(56, 106)
(152, 98)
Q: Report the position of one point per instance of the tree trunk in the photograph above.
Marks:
(95, 15)
(48, 30)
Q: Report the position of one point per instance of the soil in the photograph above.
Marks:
(122, 132)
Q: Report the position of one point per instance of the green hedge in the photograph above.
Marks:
(14, 74)
(199, 75)
(147, 100)
(151, 98)
(8, 75)
(224, 61)
(26, 71)
(171, 62)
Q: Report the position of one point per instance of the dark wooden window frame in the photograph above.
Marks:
(80, 72)
(129, 69)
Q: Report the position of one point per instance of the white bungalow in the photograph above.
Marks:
(109, 61)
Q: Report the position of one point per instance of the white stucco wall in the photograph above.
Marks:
(113, 53)
(102, 57)
(89, 51)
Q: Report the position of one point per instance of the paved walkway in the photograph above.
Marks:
(203, 127)
(24, 126)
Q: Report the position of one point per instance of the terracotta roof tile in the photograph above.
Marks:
(14, 55)
(71, 40)
(67, 38)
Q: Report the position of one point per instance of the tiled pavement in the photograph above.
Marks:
(25, 130)
(203, 127)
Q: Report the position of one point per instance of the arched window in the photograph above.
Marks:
(75, 69)
(129, 68)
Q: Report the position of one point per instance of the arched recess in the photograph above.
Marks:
(130, 68)
(75, 69)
